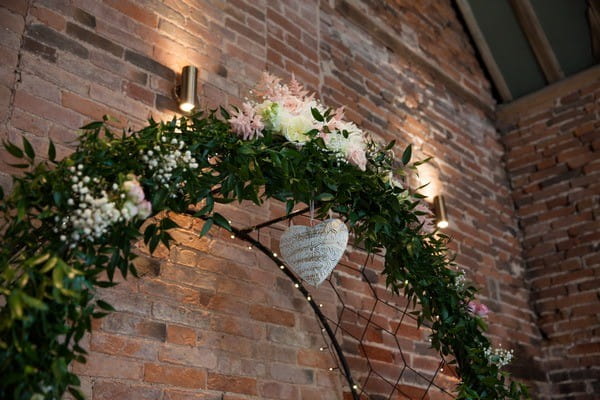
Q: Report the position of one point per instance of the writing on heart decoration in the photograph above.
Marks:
(313, 252)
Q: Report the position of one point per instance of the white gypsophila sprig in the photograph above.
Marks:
(97, 205)
(460, 281)
(92, 214)
(165, 157)
(498, 356)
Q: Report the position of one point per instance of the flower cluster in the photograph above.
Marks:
(95, 211)
(498, 356)
(165, 157)
(460, 281)
(478, 309)
(290, 111)
(135, 203)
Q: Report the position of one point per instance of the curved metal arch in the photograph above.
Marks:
(244, 234)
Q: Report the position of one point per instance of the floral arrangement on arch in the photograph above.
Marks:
(68, 226)
(294, 113)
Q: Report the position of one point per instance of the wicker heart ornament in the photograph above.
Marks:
(313, 252)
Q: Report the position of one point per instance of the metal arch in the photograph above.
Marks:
(244, 234)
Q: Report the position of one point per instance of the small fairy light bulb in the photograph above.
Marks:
(296, 285)
(321, 305)
(274, 254)
(249, 247)
(308, 298)
(355, 386)
(232, 236)
(442, 369)
(331, 368)
(281, 267)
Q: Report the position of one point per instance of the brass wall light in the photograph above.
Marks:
(186, 92)
(441, 218)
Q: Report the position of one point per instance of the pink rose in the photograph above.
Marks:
(144, 209)
(134, 190)
(478, 309)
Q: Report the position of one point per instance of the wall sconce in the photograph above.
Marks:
(441, 218)
(186, 92)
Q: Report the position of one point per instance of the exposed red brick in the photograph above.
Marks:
(272, 315)
(181, 335)
(235, 384)
(176, 376)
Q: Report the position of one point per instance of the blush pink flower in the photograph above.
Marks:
(246, 123)
(269, 86)
(479, 309)
(134, 190)
(358, 157)
(337, 119)
(144, 209)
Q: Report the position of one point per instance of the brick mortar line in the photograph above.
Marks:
(17, 71)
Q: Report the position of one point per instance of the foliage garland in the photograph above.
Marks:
(54, 257)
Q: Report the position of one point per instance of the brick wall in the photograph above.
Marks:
(212, 317)
(554, 164)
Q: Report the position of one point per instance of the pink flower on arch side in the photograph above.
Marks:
(479, 309)
(246, 123)
(358, 157)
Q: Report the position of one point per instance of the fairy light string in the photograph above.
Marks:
(244, 234)
(357, 390)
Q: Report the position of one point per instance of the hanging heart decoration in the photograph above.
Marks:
(313, 252)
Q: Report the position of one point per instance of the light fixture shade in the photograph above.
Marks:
(441, 218)
(187, 93)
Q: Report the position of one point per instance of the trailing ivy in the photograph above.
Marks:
(49, 275)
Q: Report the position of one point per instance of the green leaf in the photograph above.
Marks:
(407, 154)
(246, 150)
(149, 232)
(15, 304)
(208, 207)
(28, 148)
(316, 114)
(224, 113)
(206, 227)
(20, 166)
(93, 126)
(221, 221)
(417, 163)
(325, 197)
(168, 223)
(51, 151)
(76, 393)
(33, 302)
(104, 305)
(13, 150)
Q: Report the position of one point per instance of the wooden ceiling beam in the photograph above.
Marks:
(538, 41)
(484, 50)
(545, 98)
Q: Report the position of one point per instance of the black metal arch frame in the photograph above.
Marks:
(337, 353)
(244, 234)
